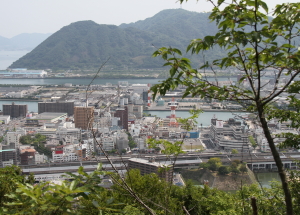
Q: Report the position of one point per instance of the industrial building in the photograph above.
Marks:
(56, 107)
(23, 73)
(45, 118)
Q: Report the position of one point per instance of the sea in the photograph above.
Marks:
(8, 57)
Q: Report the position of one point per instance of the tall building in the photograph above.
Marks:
(84, 117)
(58, 107)
(122, 113)
(14, 110)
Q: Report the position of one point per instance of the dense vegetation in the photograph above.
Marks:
(82, 195)
(86, 45)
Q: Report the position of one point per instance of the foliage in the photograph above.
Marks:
(9, 176)
(50, 198)
(243, 168)
(234, 151)
(252, 141)
(223, 170)
(131, 142)
(214, 163)
(83, 195)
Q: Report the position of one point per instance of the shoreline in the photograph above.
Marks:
(18, 99)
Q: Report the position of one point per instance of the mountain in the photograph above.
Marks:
(179, 24)
(4, 43)
(86, 44)
(23, 41)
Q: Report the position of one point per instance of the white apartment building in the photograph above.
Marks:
(108, 143)
(64, 157)
(40, 158)
(14, 136)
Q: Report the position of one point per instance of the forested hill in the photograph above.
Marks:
(86, 44)
(179, 24)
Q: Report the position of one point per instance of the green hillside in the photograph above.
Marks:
(86, 45)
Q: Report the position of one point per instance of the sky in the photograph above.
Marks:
(48, 16)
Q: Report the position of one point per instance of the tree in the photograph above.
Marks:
(252, 141)
(255, 44)
(243, 168)
(234, 151)
(214, 164)
(223, 170)
(9, 176)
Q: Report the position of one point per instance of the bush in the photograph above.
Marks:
(223, 170)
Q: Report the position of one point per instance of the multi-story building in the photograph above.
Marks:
(84, 117)
(150, 166)
(28, 156)
(89, 145)
(8, 155)
(228, 135)
(57, 107)
(108, 143)
(14, 110)
(136, 110)
(121, 140)
(122, 113)
(14, 136)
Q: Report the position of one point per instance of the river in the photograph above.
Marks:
(265, 179)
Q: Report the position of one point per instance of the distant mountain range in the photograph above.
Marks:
(86, 44)
(22, 41)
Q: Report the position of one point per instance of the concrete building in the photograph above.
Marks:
(8, 155)
(84, 117)
(229, 135)
(122, 113)
(46, 118)
(14, 136)
(136, 110)
(28, 156)
(150, 166)
(89, 146)
(108, 143)
(122, 141)
(56, 107)
(14, 110)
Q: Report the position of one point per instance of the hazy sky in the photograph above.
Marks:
(48, 16)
